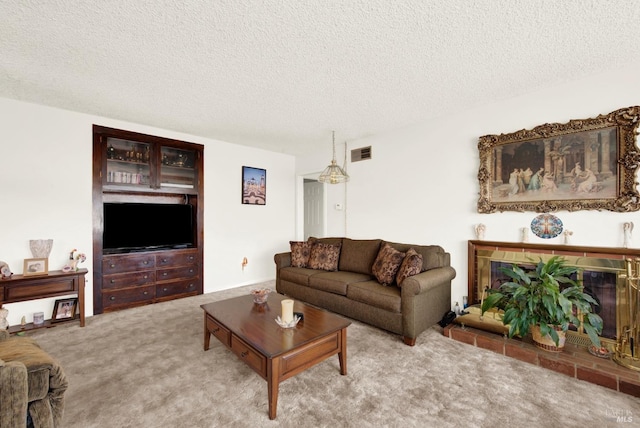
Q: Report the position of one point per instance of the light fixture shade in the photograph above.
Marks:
(333, 174)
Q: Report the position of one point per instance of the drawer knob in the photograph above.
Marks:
(190, 270)
(112, 265)
(146, 262)
(190, 257)
(164, 274)
(244, 354)
(165, 289)
(112, 298)
(146, 276)
(216, 330)
(191, 285)
(164, 260)
(145, 293)
(112, 281)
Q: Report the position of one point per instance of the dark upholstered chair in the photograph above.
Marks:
(32, 382)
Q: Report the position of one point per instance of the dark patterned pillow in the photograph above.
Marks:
(387, 264)
(324, 256)
(300, 252)
(411, 265)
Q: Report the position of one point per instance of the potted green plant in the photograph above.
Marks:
(545, 301)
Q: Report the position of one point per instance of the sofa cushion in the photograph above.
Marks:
(300, 252)
(374, 294)
(387, 263)
(358, 255)
(336, 282)
(324, 256)
(297, 275)
(411, 265)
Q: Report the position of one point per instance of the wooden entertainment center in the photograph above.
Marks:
(132, 169)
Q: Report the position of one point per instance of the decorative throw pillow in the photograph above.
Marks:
(387, 264)
(300, 252)
(324, 256)
(411, 265)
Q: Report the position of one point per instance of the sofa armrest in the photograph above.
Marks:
(425, 298)
(282, 260)
(427, 280)
(14, 396)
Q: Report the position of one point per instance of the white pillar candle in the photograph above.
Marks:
(287, 311)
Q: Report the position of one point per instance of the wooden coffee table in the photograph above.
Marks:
(276, 354)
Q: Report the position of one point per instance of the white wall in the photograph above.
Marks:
(45, 189)
(421, 184)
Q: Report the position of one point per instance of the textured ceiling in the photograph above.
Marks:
(281, 74)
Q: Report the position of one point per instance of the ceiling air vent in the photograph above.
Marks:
(363, 153)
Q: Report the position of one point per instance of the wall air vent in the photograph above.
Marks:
(363, 153)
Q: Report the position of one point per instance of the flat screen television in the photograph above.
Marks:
(132, 227)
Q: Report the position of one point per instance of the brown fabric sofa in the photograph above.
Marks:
(353, 290)
(30, 381)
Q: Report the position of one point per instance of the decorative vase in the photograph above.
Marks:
(41, 248)
(74, 265)
(546, 342)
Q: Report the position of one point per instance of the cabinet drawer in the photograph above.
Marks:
(39, 289)
(128, 295)
(122, 280)
(219, 331)
(128, 263)
(178, 287)
(176, 273)
(179, 259)
(250, 356)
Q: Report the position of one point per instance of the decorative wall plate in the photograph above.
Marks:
(546, 226)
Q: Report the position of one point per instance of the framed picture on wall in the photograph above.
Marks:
(586, 164)
(254, 186)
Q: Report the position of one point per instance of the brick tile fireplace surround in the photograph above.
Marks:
(575, 361)
(603, 275)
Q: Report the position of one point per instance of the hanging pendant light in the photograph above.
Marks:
(333, 174)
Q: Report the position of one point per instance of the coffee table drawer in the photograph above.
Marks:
(219, 331)
(249, 355)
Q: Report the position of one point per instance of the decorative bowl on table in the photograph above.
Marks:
(260, 295)
(291, 324)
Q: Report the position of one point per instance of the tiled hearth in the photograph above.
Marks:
(574, 361)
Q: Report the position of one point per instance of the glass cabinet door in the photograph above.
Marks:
(177, 168)
(128, 163)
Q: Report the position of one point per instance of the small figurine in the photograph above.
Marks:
(480, 229)
(4, 324)
(627, 228)
(567, 236)
(5, 271)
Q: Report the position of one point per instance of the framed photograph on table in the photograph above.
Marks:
(254, 186)
(33, 267)
(586, 164)
(64, 309)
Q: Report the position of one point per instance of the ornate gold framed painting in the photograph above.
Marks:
(587, 164)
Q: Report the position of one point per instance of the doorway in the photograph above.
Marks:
(315, 222)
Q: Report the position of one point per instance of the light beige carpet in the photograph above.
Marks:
(145, 367)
